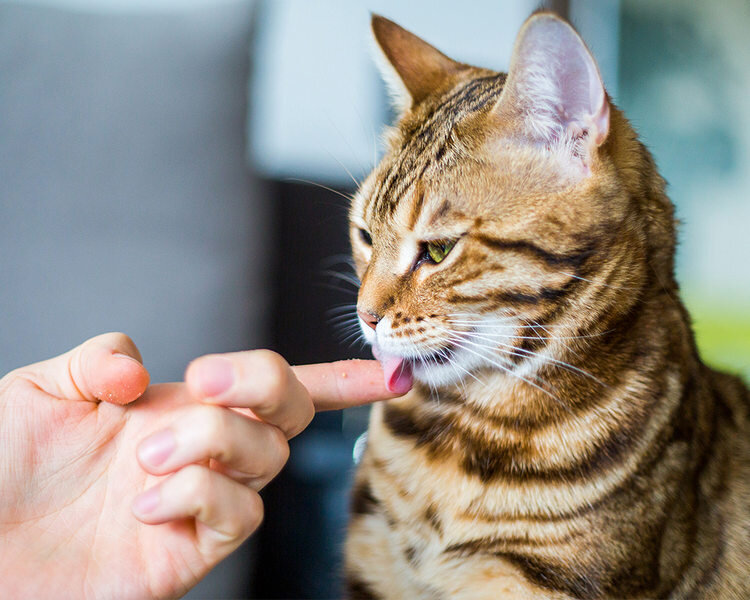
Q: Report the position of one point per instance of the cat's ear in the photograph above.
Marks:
(555, 88)
(412, 68)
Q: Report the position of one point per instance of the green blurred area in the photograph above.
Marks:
(723, 334)
(684, 81)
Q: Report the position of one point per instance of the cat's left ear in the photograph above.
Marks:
(555, 88)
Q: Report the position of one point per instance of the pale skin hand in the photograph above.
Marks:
(110, 492)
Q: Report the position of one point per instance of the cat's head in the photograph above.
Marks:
(499, 204)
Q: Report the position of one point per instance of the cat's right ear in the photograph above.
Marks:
(554, 89)
(411, 68)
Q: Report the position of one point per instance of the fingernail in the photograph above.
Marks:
(147, 501)
(156, 448)
(121, 356)
(215, 375)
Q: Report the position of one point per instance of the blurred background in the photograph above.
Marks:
(178, 170)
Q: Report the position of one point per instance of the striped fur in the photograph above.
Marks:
(586, 451)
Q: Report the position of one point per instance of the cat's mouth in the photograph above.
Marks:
(398, 371)
(440, 357)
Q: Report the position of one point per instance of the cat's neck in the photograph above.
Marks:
(588, 420)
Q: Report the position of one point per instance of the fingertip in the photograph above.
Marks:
(344, 383)
(121, 379)
(145, 504)
(209, 376)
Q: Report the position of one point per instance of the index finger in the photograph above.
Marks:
(344, 383)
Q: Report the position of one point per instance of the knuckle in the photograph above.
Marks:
(247, 518)
(273, 384)
(211, 420)
(302, 417)
(213, 424)
(255, 511)
(196, 483)
(282, 447)
(233, 529)
(307, 415)
(16, 381)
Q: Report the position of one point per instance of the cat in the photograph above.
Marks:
(562, 438)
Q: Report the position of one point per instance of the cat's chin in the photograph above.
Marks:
(437, 377)
(443, 373)
(448, 367)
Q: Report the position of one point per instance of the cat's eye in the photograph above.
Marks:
(438, 249)
(365, 237)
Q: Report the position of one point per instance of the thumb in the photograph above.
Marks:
(106, 367)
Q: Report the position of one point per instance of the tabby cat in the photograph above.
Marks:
(562, 438)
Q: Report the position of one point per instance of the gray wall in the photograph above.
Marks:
(125, 202)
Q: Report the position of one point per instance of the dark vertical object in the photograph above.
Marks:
(560, 7)
(306, 507)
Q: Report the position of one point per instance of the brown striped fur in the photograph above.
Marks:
(602, 459)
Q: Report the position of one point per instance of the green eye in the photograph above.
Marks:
(439, 249)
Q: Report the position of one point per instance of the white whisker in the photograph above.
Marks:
(614, 287)
(509, 371)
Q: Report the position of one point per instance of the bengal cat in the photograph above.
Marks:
(562, 438)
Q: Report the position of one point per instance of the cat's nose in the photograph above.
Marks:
(370, 319)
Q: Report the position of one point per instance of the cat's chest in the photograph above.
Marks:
(426, 558)
(435, 519)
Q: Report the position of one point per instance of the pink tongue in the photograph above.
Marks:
(398, 375)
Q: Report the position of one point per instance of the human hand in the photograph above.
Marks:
(70, 431)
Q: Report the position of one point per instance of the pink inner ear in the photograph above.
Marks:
(559, 83)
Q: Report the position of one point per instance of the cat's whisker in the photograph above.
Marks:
(555, 361)
(530, 353)
(338, 259)
(356, 182)
(607, 285)
(485, 325)
(453, 363)
(348, 197)
(335, 127)
(336, 288)
(501, 324)
(540, 326)
(343, 321)
(538, 337)
(352, 337)
(345, 277)
(346, 325)
(511, 372)
(490, 349)
(460, 341)
(343, 308)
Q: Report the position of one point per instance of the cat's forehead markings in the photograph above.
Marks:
(440, 210)
(434, 209)
(407, 252)
(426, 144)
(408, 240)
(416, 203)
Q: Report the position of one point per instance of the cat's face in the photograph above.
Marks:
(487, 211)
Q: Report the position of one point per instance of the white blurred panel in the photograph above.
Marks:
(317, 104)
(122, 6)
(598, 23)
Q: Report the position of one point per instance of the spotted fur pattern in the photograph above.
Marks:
(563, 438)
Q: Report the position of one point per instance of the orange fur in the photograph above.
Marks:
(580, 449)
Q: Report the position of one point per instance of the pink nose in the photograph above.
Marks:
(370, 319)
